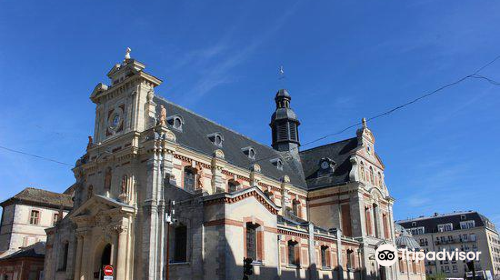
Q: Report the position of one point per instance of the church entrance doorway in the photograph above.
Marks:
(105, 259)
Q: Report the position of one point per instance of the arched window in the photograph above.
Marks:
(180, 243)
(63, 256)
(90, 192)
(177, 123)
(293, 253)
(380, 182)
(362, 171)
(35, 217)
(325, 257)
(107, 179)
(372, 179)
(189, 179)
(350, 258)
(233, 185)
(296, 209)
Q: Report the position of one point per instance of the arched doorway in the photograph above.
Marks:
(105, 258)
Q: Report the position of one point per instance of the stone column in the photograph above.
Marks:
(84, 258)
(122, 256)
(78, 258)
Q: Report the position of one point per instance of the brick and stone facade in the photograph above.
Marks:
(312, 214)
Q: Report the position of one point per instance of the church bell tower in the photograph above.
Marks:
(284, 124)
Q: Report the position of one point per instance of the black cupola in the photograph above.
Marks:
(284, 124)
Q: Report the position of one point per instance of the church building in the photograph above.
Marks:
(164, 193)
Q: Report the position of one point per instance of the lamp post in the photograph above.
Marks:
(169, 219)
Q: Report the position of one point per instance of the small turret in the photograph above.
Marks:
(284, 124)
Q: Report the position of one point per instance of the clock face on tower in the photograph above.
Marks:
(325, 165)
(115, 120)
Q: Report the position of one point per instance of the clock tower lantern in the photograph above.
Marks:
(127, 103)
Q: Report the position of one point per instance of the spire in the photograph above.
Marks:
(363, 121)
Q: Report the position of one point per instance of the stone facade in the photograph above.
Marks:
(314, 214)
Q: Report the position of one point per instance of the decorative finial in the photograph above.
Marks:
(127, 53)
(363, 121)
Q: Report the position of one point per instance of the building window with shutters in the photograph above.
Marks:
(293, 253)
(35, 217)
(254, 241)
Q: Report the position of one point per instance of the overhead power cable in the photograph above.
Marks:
(33, 155)
(394, 109)
(388, 112)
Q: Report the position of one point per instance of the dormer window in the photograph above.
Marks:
(326, 166)
(278, 163)
(249, 151)
(176, 122)
(216, 139)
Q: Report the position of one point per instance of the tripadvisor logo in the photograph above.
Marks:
(387, 254)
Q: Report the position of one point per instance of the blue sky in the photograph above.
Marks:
(344, 60)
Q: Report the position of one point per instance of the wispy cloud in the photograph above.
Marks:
(230, 56)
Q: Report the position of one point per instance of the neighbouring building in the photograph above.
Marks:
(464, 231)
(408, 269)
(318, 213)
(25, 217)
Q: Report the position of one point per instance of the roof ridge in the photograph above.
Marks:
(322, 146)
(216, 123)
(438, 216)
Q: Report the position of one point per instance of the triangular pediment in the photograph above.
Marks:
(99, 203)
(248, 193)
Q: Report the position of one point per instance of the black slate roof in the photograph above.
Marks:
(339, 152)
(303, 173)
(430, 224)
(40, 197)
(194, 135)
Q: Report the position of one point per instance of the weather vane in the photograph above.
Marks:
(282, 73)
